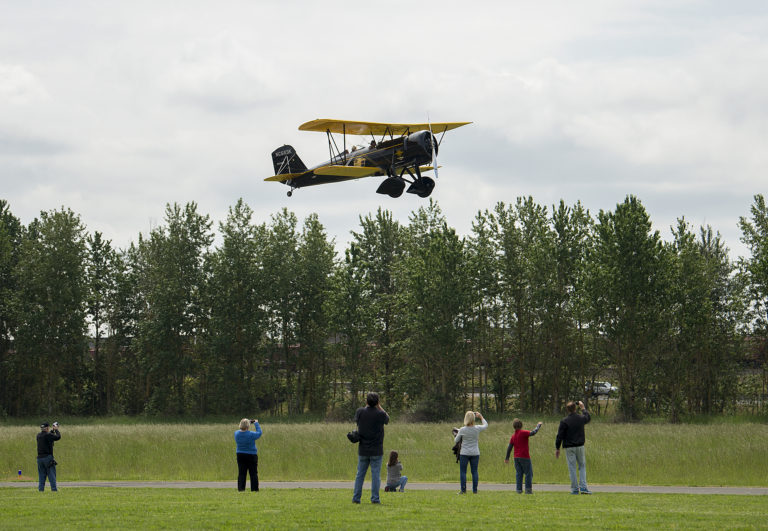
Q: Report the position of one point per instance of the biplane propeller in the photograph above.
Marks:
(401, 153)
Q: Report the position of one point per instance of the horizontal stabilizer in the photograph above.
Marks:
(284, 177)
(375, 128)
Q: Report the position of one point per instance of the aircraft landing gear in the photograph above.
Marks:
(391, 186)
(290, 193)
(422, 186)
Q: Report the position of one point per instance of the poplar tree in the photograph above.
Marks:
(100, 286)
(234, 367)
(281, 303)
(754, 271)
(378, 253)
(50, 300)
(628, 295)
(434, 303)
(172, 281)
(315, 262)
(10, 238)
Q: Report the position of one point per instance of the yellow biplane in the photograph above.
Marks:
(399, 151)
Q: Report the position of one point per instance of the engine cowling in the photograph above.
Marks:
(421, 140)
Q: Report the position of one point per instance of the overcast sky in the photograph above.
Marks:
(114, 109)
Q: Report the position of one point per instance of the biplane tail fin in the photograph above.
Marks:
(286, 160)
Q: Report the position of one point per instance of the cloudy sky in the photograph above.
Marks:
(114, 109)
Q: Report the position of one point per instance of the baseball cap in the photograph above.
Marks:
(43, 425)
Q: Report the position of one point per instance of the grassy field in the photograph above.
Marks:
(332, 509)
(628, 454)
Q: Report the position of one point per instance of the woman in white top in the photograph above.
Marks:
(470, 451)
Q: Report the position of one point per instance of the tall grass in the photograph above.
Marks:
(632, 454)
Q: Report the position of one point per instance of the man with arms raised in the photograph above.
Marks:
(370, 425)
(46, 465)
(571, 435)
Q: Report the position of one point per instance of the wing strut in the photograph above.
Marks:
(332, 145)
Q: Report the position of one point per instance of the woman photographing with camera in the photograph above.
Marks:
(247, 456)
(469, 435)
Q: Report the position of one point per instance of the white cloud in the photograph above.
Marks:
(116, 109)
(18, 86)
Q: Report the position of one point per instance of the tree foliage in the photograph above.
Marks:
(521, 315)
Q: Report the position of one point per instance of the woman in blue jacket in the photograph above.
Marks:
(247, 457)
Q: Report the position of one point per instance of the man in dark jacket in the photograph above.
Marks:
(46, 466)
(571, 435)
(370, 425)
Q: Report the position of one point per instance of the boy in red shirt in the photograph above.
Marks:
(523, 466)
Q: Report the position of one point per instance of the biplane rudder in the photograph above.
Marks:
(286, 160)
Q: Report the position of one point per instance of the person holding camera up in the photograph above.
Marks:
(469, 435)
(46, 464)
(247, 456)
(570, 434)
(370, 425)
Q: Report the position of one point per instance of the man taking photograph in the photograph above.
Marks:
(46, 465)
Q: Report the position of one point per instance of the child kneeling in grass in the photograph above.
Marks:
(395, 478)
(523, 466)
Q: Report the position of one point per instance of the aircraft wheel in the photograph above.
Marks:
(426, 186)
(392, 186)
(290, 193)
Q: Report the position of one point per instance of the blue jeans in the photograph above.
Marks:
(362, 467)
(400, 483)
(577, 460)
(473, 460)
(523, 467)
(46, 469)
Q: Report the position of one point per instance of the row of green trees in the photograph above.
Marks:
(517, 316)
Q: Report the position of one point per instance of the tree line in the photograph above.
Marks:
(519, 315)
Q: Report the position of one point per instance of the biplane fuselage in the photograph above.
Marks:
(400, 158)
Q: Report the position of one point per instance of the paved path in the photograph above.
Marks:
(753, 491)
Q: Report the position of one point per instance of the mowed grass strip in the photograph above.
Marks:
(623, 454)
(120, 508)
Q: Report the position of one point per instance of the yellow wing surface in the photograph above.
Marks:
(354, 172)
(375, 128)
(284, 177)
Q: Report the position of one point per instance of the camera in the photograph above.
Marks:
(56, 425)
(253, 421)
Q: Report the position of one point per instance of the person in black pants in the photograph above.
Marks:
(46, 465)
(247, 457)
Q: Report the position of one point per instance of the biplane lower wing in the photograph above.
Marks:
(331, 170)
(352, 172)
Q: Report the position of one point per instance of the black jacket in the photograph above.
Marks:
(370, 424)
(571, 430)
(45, 442)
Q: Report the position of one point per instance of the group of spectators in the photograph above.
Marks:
(370, 421)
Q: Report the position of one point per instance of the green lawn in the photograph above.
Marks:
(630, 454)
(112, 508)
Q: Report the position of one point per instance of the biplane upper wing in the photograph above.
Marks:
(375, 128)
